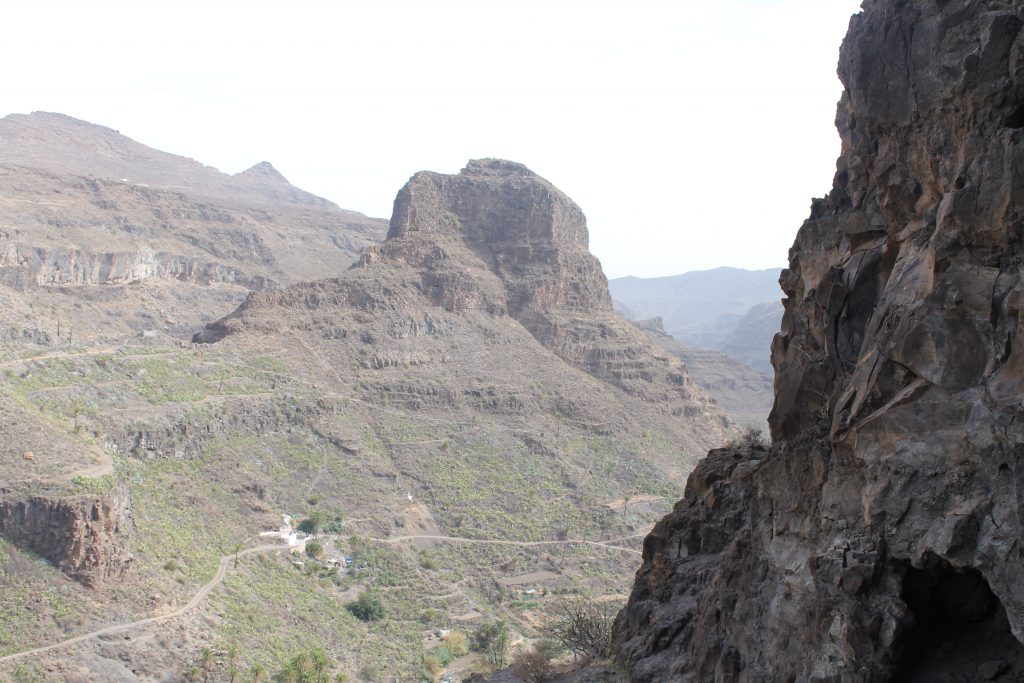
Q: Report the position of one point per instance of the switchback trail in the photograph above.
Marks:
(58, 354)
(521, 544)
(226, 560)
(200, 595)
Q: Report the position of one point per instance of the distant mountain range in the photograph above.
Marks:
(731, 310)
(82, 205)
(743, 393)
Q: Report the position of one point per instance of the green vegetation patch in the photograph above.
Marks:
(273, 609)
(37, 601)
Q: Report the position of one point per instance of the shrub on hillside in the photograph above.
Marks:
(492, 640)
(457, 642)
(534, 665)
(311, 524)
(583, 627)
(314, 549)
(367, 607)
(750, 436)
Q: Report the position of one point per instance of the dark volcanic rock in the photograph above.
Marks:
(82, 535)
(881, 536)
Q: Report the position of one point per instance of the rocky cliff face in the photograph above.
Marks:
(23, 266)
(500, 241)
(82, 535)
(881, 536)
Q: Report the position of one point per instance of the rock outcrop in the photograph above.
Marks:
(23, 267)
(495, 240)
(84, 536)
(881, 537)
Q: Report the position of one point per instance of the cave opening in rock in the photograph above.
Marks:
(956, 627)
(1016, 117)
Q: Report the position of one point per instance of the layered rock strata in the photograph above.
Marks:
(84, 536)
(23, 267)
(881, 538)
(495, 240)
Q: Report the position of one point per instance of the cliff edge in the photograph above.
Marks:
(880, 538)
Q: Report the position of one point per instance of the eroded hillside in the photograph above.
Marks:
(478, 432)
(175, 242)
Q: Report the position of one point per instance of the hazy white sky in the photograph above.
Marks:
(692, 132)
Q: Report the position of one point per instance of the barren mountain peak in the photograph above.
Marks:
(490, 201)
(264, 171)
(496, 167)
(52, 119)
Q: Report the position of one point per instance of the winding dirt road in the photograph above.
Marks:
(521, 544)
(200, 595)
(227, 560)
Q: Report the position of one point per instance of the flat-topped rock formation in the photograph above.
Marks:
(496, 241)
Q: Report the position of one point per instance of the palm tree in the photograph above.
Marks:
(207, 660)
(257, 673)
(193, 673)
(319, 665)
(232, 654)
(291, 673)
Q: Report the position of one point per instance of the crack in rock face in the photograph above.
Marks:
(881, 536)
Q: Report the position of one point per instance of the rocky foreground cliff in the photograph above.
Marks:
(880, 537)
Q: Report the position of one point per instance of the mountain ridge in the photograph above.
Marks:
(730, 310)
(83, 205)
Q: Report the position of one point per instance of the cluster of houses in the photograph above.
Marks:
(296, 541)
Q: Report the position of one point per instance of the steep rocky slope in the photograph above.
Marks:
(496, 245)
(742, 392)
(104, 241)
(880, 537)
(83, 536)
